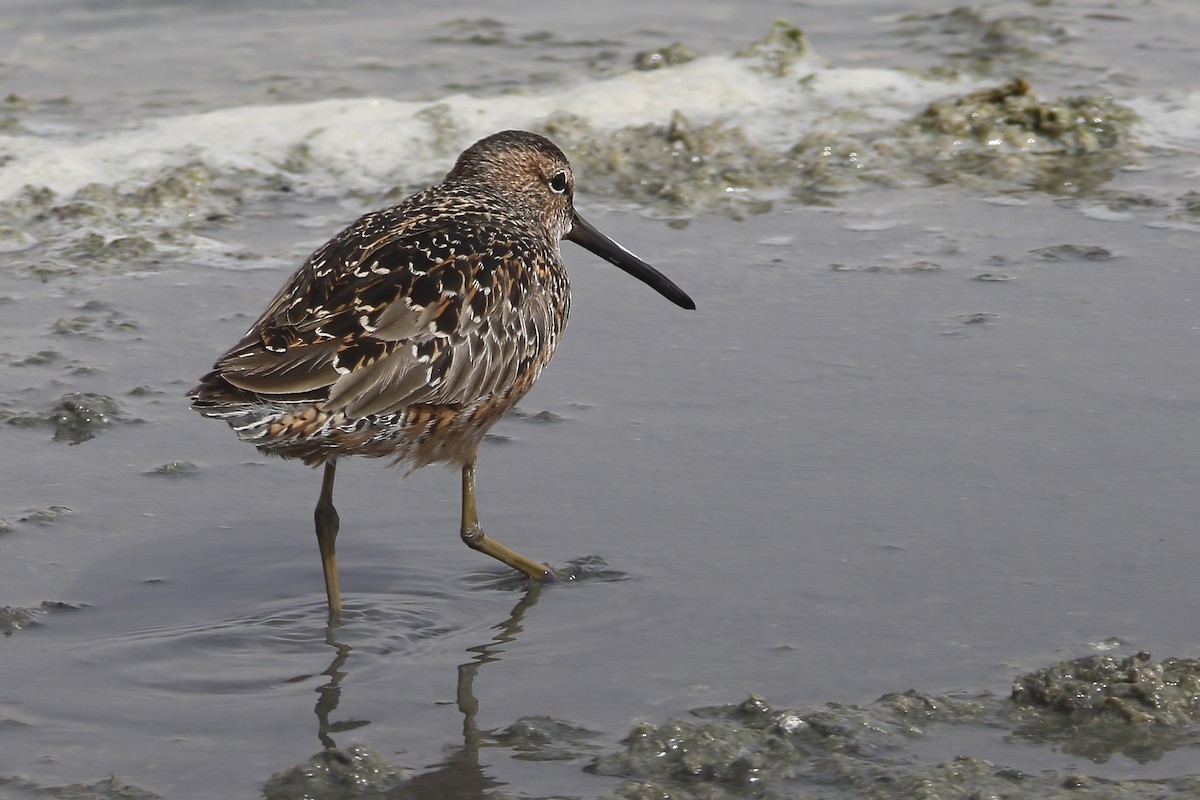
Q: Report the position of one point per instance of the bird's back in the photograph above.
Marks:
(407, 335)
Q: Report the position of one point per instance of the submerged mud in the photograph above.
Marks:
(689, 162)
(104, 231)
(80, 415)
(189, 213)
(996, 139)
(351, 772)
(1092, 707)
(111, 788)
(1098, 706)
(77, 417)
(983, 41)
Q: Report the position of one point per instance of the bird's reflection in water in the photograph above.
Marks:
(460, 775)
(330, 694)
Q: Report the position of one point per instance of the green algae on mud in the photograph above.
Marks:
(543, 738)
(971, 40)
(49, 515)
(175, 469)
(780, 50)
(76, 418)
(14, 619)
(111, 788)
(92, 324)
(678, 168)
(997, 139)
(1092, 706)
(660, 57)
(352, 772)
(1101, 705)
(80, 415)
(1005, 136)
(107, 230)
(1001, 138)
(1071, 252)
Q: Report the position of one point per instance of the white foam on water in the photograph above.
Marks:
(372, 144)
(1170, 120)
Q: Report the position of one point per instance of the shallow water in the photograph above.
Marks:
(908, 439)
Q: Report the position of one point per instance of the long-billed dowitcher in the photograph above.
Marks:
(411, 332)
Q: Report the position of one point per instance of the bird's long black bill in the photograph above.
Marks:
(584, 234)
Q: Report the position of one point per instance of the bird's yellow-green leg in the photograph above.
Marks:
(327, 523)
(476, 539)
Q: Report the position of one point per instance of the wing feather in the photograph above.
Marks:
(398, 310)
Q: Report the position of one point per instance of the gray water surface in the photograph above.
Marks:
(924, 436)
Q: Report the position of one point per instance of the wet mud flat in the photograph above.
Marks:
(947, 336)
(1093, 708)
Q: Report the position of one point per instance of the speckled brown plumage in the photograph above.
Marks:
(410, 333)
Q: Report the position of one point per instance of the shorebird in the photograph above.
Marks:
(414, 330)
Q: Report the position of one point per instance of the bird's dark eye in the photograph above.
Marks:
(559, 182)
